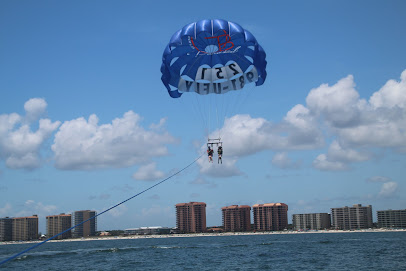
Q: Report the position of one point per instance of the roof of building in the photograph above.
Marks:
(147, 228)
(33, 216)
(191, 203)
(270, 204)
(235, 207)
(61, 215)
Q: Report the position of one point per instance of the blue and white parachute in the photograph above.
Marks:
(212, 56)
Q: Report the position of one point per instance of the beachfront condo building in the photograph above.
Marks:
(352, 218)
(314, 221)
(236, 218)
(57, 224)
(155, 230)
(270, 216)
(6, 225)
(25, 228)
(86, 229)
(191, 217)
(392, 218)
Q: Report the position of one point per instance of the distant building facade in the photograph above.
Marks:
(57, 224)
(25, 228)
(392, 218)
(314, 221)
(351, 218)
(6, 226)
(86, 229)
(236, 218)
(148, 231)
(270, 216)
(191, 217)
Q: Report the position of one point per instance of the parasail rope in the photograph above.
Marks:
(136, 195)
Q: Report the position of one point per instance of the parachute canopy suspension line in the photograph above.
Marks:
(213, 59)
(136, 195)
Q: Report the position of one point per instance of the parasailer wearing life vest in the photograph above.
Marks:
(210, 154)
(220, 154)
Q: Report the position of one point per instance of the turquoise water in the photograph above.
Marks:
(321, 251)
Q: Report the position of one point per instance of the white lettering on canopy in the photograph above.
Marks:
(218, 80)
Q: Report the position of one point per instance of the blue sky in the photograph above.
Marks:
(85, 121)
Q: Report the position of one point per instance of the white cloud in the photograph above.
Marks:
(35, 108)
(244, 135)
(32, 207)
(282, 160)
(323, 163)
(337, 153)
(392, 94)
(85, 145)
(6, 210)
(160, 125)
(338, 158)
(359, 125)
(300, 130)
(334, 113)
(338, 105)
(148, 172)
(379, 123)
(355, 126)
(19, 145)
(388, 189)
(226, 169)
(378, 179)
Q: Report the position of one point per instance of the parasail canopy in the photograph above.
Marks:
(212, 57)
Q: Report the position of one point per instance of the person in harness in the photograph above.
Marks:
(210, 154)
(220, 154)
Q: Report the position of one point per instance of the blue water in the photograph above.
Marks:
(321, 251)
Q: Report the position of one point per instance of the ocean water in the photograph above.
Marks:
(319, 251)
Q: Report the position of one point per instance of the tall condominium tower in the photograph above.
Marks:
(392, 219)
(6, 225)
(86, 229)
(270, 216)
(191, 217)
(315, 221)
(350, 218)
(236, 218)
(25, 228)
(57, 224)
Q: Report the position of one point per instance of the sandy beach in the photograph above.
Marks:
(101, 238)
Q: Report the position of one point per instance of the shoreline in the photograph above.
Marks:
(99, 238)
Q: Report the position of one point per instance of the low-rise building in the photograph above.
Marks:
(148, 231)
(392, 218)
(352, 218)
